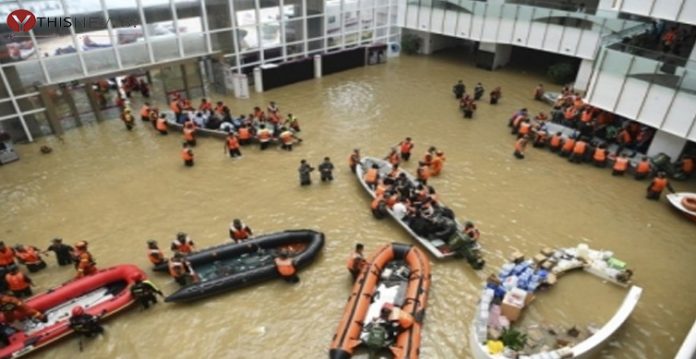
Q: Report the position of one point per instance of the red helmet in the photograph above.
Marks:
(78, 310)
(81, 244)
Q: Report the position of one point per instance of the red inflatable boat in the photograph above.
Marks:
(104, 293)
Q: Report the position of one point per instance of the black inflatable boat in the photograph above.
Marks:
(231, 266)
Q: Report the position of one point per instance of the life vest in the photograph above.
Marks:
(424, 173)
(600, 155)
(436, 165)
(188, 134)
(624, 137)
(555, 141)
(406, 147)
(517, 121)
(239, 234)
(232, 142)
(184, 248)
(7, 257)
(371, 176)
(404, 319)
(85, 262)
(285, 267)
(156, 256)
(176, 269)
(621, 164)
(658, 184)
(578, 103)
(259, 114)
(29, 256)
(206, 106)
(356, 262)
(524, 128)
(380, 190)
(186, 154)
(145, 111)
(568, 145)
(579, 148)
(265, 135)
(688, 165)
(16, 282)
(244, 133)
(174, 106)
(161, 124)
(428, 158)
(376, 201)
(286, 137)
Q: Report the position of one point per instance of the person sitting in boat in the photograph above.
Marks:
(85, 324)
(379, 207)
(180, 270)
(286, 268)
(13, 308)
(264, 136)
(357, 261)
(84, 261)
(371, 176)
(239, 231)
(30, 257)
(63, 251)
(182, 244)
(144, 291)
(154, 254)
(401, 209)
(18, 283)
(397, 319)
(685, 167)
(287, 139)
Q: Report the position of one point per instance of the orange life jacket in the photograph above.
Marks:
(516, 122)
(658, 184)
(380, 190)
(579, 148)
(85, 263)
(184, 248)
(568, 145)
(145, 111)
(16, 282)
(286, 137)
(188, 134)
(285, 267)
(7, 257)
(29, 256)
(643, 167)
(600, 155)
(244, 133)
(161, 124)
(624, 137)
(424, 173)
(524, 128)
(586, 116)
(155, 256)
(259, 114)
(265, 135)
(220, 108)
(620, 164)
(391, 201)
(356, 262)
(232, 143)
(436, 166)
(375, 202)
(555, 141)
(239, 234)
(371, 175)
(406, 147)
(206, 106)
(394, 158)
(404, 319)
(186, 154)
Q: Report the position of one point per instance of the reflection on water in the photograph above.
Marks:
(117, 189)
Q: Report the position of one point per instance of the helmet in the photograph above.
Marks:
(81, 244)
(181, 235)
(77, 310)
(136, 277)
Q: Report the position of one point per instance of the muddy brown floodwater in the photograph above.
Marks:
(117, 189)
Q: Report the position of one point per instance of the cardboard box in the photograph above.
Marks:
(547, 251)
(539, 258)
(517, 257)
(493, 279)
(510, 311)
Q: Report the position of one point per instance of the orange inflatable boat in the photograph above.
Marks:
(386, 308)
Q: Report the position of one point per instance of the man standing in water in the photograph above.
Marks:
(657, 185)
(187, 155)
(325, 169)
(459, 89)
(63, 251)
(305, 170)
(128, 119)
(357, 261)
(144, 291)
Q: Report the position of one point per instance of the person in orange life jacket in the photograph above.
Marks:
(519, 115)
(305, 171)
(154, 254)
(190, 133)
(471, 230)
(656, 186)
(643, 169)
(180, 270)
(354, 159)
(287, 139)
(393, 157)
(620, 165)
(245, 134)
(540, 137)
(239, 231)
(326, 169)
(128, 119)
(84, 261)
(286, 268)
(182, 244)
(264, 135)
(161, 124)
(232, 145)
(371, 176)
(556, 142)
(520, 146)
(187, 154)
(18, 283)
(405, 148)
(145, 112)
(686, 166)
(15, 309)
(205, 105)
(357, 261)
(599, 157)
(578, 151)
(7, 259)
(495, 95)
(423, 172)
(525, 128)
(469, 108)
(568, 146)
(397, 320)
(437, 163)
(30, 257)
(539, 92)
(379, 206)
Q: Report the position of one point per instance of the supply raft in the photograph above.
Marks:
(508, 293)
(386, 308)
(102, 294)
(444, 235)
(685, 202)
(235, 265)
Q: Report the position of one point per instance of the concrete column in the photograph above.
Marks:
(68, 98)
(582, 80)
(317, 66)
(258, 80)
(666, 143)
(51, 114)
(491, 56)
(184, 78)
(94, 102)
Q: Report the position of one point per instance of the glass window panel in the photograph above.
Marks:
(270, 34)
(14, 46)
(367, 18)
(38, 124)
(52, 38)
(351, 38)
(381, 16)
(63, 67)
(223, 41)
(292, 9)
(273, 53)
(6, 109)
(125, 21)
(100, 60)
(382, 32)
(334, 41)
(293, 49)
(351, 20)
(269, 11)
(218, 14)
(89, 24)
(194, 44)
(189, 16)
(250, 58)
(29, 103)
(161, 29)
(24, 76)
(294, 30)
(315, 27)
(134, 54)
(315, 7)
(82, 7)
(159, 19)
(165, 49)
(247, 30)
(315, 45)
